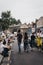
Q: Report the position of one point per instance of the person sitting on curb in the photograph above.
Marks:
(5, 48)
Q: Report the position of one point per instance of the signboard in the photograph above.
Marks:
(33, 29)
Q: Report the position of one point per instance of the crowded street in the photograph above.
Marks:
(21, 32)
(31, 58)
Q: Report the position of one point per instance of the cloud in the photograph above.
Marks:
(25, 10)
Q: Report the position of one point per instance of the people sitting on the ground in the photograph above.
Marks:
(5, 48)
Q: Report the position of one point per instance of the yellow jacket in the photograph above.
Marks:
(39, 41)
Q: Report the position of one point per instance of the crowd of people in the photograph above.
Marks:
(35, 41)
(5, 45)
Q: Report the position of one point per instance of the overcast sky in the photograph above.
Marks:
(25, 10)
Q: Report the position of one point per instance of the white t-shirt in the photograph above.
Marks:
(6, 41)
(2, 47)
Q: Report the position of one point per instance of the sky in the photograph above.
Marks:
(25, 10)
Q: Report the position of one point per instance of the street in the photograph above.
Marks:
(30, 58)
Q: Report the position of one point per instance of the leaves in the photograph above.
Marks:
(7, 20)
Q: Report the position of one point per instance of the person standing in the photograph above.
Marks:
(19, 39)
(39, 42)
(25, 42)
(32, 43)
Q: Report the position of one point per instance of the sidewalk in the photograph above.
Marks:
(30, 58)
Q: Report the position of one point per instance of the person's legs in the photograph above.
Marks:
(27, 47)
(30, 43)
(39, 48)
(42, 46)
(24, 46)
(19, 44)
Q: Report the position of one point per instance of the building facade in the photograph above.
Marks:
(40, 24)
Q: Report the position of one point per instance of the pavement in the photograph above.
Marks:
(31, 58)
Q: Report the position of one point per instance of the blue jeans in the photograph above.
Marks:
(19, 46)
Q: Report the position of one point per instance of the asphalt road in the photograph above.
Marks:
(31, 58)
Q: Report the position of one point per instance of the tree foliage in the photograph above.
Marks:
(7, 20)
(5, 16)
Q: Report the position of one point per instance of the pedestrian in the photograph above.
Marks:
(39, 42)
(19, 39)
(32, 42)
(25, 42)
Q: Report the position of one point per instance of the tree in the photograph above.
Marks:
(7, 20)
(6, 14)
(5, 17)
(13, 21)
(0, 24)
(18, 21)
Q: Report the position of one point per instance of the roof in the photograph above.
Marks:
(23, 26)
